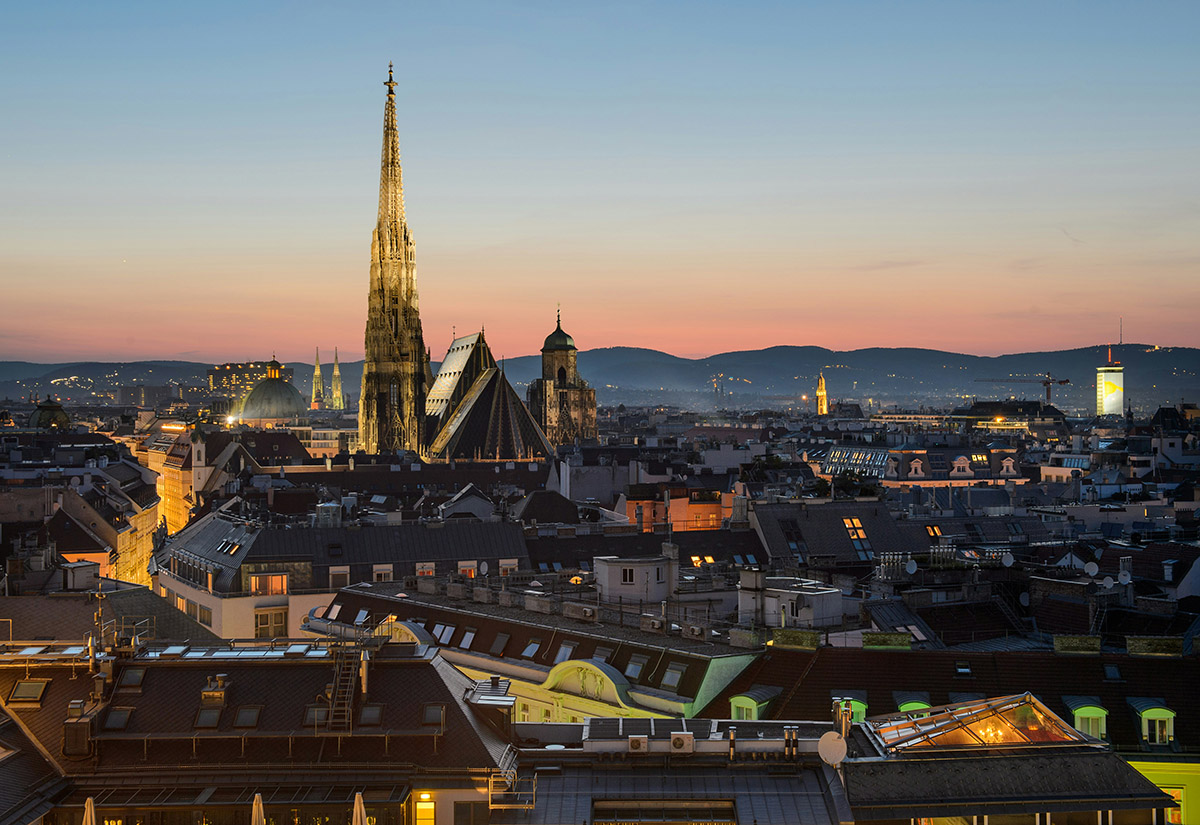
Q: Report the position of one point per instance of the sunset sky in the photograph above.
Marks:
(199, 181)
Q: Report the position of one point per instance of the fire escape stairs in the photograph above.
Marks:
(345, 682)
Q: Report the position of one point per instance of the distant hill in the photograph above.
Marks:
(775, 376)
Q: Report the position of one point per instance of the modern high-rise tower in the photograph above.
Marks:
(337, 401)
(396, 374)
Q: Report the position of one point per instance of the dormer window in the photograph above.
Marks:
(962, 466)
(916, 468)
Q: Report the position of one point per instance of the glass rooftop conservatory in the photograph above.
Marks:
(1018, 721)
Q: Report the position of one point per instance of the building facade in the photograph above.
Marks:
(561, 401)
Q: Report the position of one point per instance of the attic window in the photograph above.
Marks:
(858, 538)
(933, 530)
(131, 677)
(674, 673)
(315, 715)
(467, 637)
(208, 717)
(636, 662)
(565, 651)
(1112, 673)
(602, 653)
(370, 715)
(433, 716)
(118, 718)
(531, 649)
(1015, 529)
(499, 644)
(443, 632)
(247, 716)
(29, 690)
(962, 668)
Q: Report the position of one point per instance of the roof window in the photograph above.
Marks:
(674, 673)
(602, 653)
(131, 677)
(207, 718)
(29, 691)
(370, 715)
(962, 668)
(1112, 673)
(565, 651)
(315, 715)
(531, 648)
(501, 642)
(118, 718)
(247, 716)
(467, 637)
(433, 716)
(636, 662)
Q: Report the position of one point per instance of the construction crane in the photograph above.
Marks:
(1047, 381)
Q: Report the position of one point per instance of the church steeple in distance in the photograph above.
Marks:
(318, 384)
(336, 400)
(396, 367)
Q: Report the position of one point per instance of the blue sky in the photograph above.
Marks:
(983, 177)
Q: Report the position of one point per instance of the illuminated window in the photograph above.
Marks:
(696, 561)
(424, 814)
(271, 584)
(858, 538)
(467, 568)
(426, 568)
(708, 560)
(933, 530)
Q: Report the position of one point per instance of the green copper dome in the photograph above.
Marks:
(558, 340)
(49, 415)
(273, 398)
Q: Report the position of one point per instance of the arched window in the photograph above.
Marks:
(916, 468)
(562, 376)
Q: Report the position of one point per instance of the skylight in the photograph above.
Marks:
(636, 662)
(118, 718)
(674, 673)
(29, 690)
(501, 642)
(315, 715)
(131, 677)
(247, 716)
(1009, 721)
(433, 715)
(565, 651)
(208, 718)
(531, 649)
(467, 637)
(370, 715)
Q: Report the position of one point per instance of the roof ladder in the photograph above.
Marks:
(345, 682)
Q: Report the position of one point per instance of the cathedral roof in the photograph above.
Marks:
(491, 423)
(558, 340)
(273, 398)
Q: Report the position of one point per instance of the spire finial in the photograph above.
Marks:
(391, 84)
(558, 320)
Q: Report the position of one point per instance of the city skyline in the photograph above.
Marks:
(952, 178)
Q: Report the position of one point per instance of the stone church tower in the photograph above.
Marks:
(562, 403)
(396, 374)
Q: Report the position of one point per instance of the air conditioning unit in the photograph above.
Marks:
(694, 631)
(657, 624)
(683, 742)
(639, 744)
(589, 612)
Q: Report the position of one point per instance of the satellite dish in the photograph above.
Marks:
(483, 568)
(1024, 600)
(832, 748)
(910, 567)
(1124, 578)
(1108, 582)
(1091, 568)
(1007, 559)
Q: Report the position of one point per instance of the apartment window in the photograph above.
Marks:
(636, 662)
(339, 577)
(204, 616)
(602, 653)
(1158, 731)
(508, 566)
(424, 813)
(268, 584)
(118, 718)
(1090, 723)
(192, 609)
(131, 678)
(433, 716)
(962, 668)
(270, 624)
(467, 568)
(545, 714)
(426, 568)
(1015, 529)
(443, 632)
(626, 575)
(658, 574)
(381, 572)
(933, 530)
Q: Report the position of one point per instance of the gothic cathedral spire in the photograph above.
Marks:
(336, 400)
(391, 414)
(318, 385)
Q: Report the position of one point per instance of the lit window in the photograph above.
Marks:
(467, 568)
(272, 584)
(424, 814)
(636, 662)
(962, 668)
(208, 717)
(1091, 724)
(426, 568)
(858, 538)
(933, 530)
(370, 715)
(247, 716)
(696, 561)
